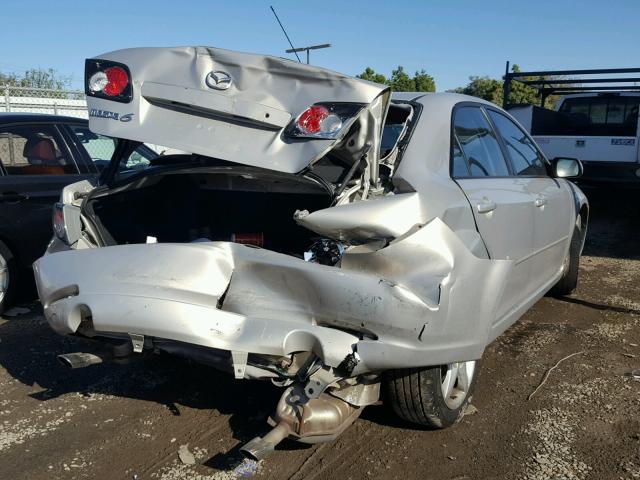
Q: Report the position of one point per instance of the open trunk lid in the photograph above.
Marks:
(235, 106)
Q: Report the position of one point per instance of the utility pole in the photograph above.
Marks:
(306, 49)
(293, 49)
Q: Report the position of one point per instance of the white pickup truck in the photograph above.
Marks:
(600, 129)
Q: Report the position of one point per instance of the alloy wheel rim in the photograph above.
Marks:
(456, 382)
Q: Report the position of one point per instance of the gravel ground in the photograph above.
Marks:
(131, 421)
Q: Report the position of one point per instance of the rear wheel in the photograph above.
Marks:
(7, 277)
(433, 396)
(569, 280)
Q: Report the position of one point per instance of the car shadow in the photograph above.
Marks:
(614, 220)
(599, 306)
(28, 350)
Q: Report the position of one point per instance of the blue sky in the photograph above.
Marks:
(451, 40)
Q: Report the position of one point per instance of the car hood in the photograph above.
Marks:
(174, 106)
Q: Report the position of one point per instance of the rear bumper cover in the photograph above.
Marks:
(393, 310)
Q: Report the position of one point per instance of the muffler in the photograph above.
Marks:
(306, 420)
(79, 359)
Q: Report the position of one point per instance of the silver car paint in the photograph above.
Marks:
(433, 295)
(175, 107)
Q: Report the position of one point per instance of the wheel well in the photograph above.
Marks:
(584, 221)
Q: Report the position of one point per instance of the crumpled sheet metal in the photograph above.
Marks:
(175, 108)
(385, 217)
(426, 298)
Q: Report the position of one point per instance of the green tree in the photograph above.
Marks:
(492, 90)
(370, 75)
(424, 82)
(486, 88)
(36, 78)
(400, 81)
(41, 78)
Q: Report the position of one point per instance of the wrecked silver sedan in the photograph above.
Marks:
(320, 233)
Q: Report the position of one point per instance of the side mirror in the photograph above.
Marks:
(566, 167)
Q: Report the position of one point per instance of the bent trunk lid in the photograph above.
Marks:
(174, 105)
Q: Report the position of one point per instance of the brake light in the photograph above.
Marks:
(108, 80)
(324, 120)
(311, 120)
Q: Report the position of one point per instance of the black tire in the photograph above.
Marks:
(569, 281)
(416, 396)
(8, 261)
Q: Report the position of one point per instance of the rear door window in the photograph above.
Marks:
(36, 149)
(478, 143)
(525, 157)
(100, 148)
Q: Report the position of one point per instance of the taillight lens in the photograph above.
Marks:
(109, 80)
(324, 120)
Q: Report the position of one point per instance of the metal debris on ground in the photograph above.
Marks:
(635, 374)
(470, 410)
(186, 456)
(546, 375)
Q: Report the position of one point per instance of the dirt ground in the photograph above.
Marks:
(126, 422)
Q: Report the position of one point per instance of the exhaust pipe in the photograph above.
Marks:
(79, 359)
(260, 447)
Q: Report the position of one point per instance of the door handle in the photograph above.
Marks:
(486, 206)
(12, 197)
(540, 202)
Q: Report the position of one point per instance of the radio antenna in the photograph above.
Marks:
(293, 49)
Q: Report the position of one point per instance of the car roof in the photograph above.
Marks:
(10, 117)
(442, 98)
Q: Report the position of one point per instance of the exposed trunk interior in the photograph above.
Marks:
(220, 203)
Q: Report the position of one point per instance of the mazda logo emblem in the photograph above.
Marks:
(218, 80)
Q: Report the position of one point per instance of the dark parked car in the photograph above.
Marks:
(39, 155)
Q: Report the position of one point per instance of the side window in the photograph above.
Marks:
(459, 164)
(525, 157)
(100, 149)
(479, 144)
(34, 150)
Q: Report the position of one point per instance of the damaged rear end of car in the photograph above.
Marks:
(280, 246)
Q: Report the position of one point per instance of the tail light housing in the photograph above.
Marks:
(66, 222)
(324, 120)
(108, 80)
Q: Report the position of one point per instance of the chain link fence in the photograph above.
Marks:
(71, 103)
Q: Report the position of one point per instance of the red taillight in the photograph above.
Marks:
(117, 81)
(323, 120)
(109, 80)
(311, 119)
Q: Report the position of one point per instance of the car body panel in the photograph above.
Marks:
(239, 298)
(177, 108)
